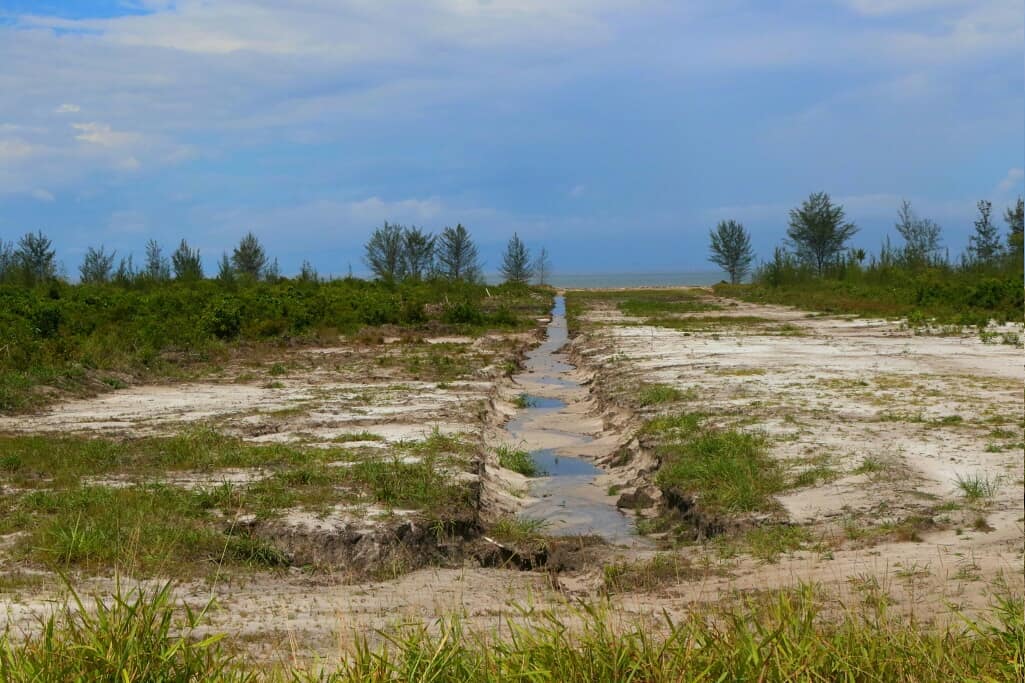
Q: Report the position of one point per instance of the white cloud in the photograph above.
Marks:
(67, 109)
(102, 134)
(42, 195)
(577, 191)
(1012, 182)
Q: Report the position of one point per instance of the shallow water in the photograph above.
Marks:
(569, 499)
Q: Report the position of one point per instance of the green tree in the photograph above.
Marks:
(543, 267)
(249, 259)
(186, 263)
(97, 266)
(731, 249)
(36, 258)
(984, 247)
(818, 231)
(516, 265)
(8, 261)
(417, 253)
(307, 273)
(1016, 229)
(225, 271)
(921, 235)
(457, 255)
(125, 273)
(384, 253)
(158, 268)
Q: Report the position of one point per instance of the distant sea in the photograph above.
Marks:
(650, 279)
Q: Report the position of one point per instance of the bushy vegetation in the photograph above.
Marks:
(783, 636)
(66, 335)
(914, 279)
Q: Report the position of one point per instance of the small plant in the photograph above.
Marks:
(524, 401)
(657, 394)
(977, 487)
(517, 460)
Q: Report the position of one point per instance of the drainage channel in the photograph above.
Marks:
(555, 428)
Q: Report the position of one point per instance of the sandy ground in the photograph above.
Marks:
(831, 390)
(932, 410)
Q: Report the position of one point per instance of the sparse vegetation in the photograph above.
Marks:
(517, 460)
(978, 487)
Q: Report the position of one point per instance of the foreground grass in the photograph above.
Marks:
(785, 636)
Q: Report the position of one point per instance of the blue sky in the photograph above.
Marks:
(616, 133)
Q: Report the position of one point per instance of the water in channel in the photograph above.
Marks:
(555, 428)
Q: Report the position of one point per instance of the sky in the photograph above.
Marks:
(615, 133)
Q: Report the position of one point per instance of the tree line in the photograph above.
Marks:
(393, 253)
(818, 232)
(396, 253)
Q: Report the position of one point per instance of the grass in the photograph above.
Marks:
(767, 543)
(637, 303)
(646, 575)
(978, 487)
(658, 394)
(525, 533)
(708, 322)
(725, 470)
(787, 635)
(517, 460)
(70, 518)
(523, 401)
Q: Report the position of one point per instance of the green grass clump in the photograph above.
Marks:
(657, 394)
(144, 529)
(726, 470)
(646, 575)
(766, 543)
(978, 487)
(517, 460)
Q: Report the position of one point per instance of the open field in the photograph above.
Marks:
(781, 469)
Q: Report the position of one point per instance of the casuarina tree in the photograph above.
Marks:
(1016, 228)
(516, 265)
(818, 231)
(384, 253)
(921, 235)
(457, 255)
(249, 259)
(36, 257)
(417, 253)
(97, 266)
(158, 268)
(731, 249)
(543, 267)
(186, 263)
(984, 244)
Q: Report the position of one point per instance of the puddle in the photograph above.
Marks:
(542, 402)
(554, 465)
(569, 498)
